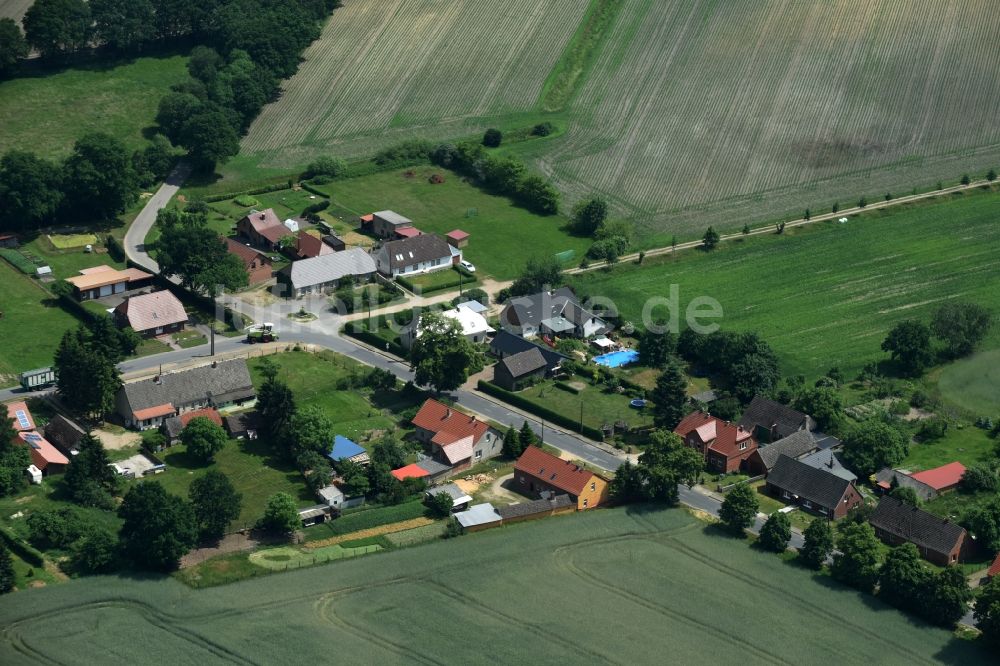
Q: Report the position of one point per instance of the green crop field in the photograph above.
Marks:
(974, 383)
(620, 586)
(383, 71)
(46, 112)
(827, 294)
(687, 113)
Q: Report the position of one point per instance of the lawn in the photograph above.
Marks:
(828, 294)
(966, 444)
(45, 112)
(652, 582)
(313, 379)
(31, 326)
(71, 241)
(595, 406)
(68, 262)
(441, 280)
(188, 339)
(973, 384)
(502, 235)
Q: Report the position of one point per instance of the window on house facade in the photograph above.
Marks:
(807, 504)
(743, 446)
(584, 504)
(479, 455)
(786, 495)
(593, 487)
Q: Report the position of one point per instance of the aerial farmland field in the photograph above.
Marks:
(689, 112)
(14, 9)
(827, 295)
(616, 586)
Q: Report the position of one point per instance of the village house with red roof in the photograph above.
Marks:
(455, 438)
(941, 479)
(262, 229)
(258, 265)
(44, 456)
(541, 474)
(726, 446)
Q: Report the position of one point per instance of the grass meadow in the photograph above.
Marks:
(614, 586)
(118, 98)
(502, 235)
(827, 295)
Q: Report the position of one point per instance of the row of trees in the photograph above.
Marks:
(86, 363)
(98, 180)
(958, 326)
(742, 361)
(664, 463)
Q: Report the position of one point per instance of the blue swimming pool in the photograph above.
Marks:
(617, 359)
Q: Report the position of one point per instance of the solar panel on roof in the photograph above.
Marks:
(22, 419)
(32, 439)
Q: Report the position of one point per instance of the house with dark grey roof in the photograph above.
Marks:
(771, 421)
(519, 370)
(420, 254)
(828, 461)
(506, 344)
(386, 223)
(147, 403)
(939, 540)
(551, 313)
(326, 272)
(812, 488)
(796, 445)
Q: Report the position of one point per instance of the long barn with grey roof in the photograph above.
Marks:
(325, 272)
(149, 402)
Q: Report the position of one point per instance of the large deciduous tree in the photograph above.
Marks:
(13, 46)
(588, 216)
(215, 503)
(987, 612)
(857, 559)
(872, 445)
(776, 532)
(98, 180)
(210, 138)
(818, 543)
(539, 273)
(656, 348)
(124, 25)
(909, 344)
(442, 357)
(30, 191)
(158, 528)
(961, 326)
(203, 438)
(739, 509)
(56, 27)
(824, 405)
(311, 430)
(89, 479)
(903, 578)
(281, 515)
(196, 254)
(14, 458)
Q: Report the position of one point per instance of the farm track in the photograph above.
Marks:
(801, 222)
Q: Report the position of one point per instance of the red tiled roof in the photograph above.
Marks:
(209, 413)
(43, 453)
(246, 254)
(408, 232)
(413, 471)
(705, 424)
(154, 412)
(457, 234)
(439, 418)
(13, 408)
(728, 439)
(554, 471)
(941, 478)
(370, 217)
(994, 569)
(267, 224)
(309, 246)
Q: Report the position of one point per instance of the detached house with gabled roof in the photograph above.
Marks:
(550, 313)
(45, 458)
(420, 254)
(456, 439)
(152, 314)
(147, 403)
(770, 421)
(726, 446)
(263, 229)
(796, 445)
(541, 474)
(258, 265)
(814, 488)
(939, 540)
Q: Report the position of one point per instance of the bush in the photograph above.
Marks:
(979, 478)
(932, 430)
(414, 150)
(21, 549)
(246, 201)
(919, 399)
(492, 138)
(330, 167)
(542, 129)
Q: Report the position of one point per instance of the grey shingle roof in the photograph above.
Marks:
(506, 344)
(457, 494)
(533, 309)
(809, 483)
(916, 525)
(416, 250)
(330, 267)
(193, 385)
(828, 461)
(394, 218)
(524, 363)
(63, 433)
(765, 413)
(478, 514)
(536, 506)
(795, 445)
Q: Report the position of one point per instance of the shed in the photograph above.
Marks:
(459, 498)
(345, 449)
(457, 238)
(413, 471)
(478, 517)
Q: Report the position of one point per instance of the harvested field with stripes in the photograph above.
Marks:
(618, 586)
(689, 112)
(385, 71)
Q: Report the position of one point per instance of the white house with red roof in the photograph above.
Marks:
(46, 457)
(726, 446)
(455, 438)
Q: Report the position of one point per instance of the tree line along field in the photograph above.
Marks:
(691, 113)
(386, 71)
(47, 110)
(612, 586)
(827, 295)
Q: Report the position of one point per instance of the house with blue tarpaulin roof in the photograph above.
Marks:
(345, 449)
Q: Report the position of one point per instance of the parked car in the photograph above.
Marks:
(468, 266)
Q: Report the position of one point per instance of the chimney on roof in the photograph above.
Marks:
(447, 412)
(831, 460)
(215, 364)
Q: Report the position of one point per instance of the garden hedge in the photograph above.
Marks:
(21, 549)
